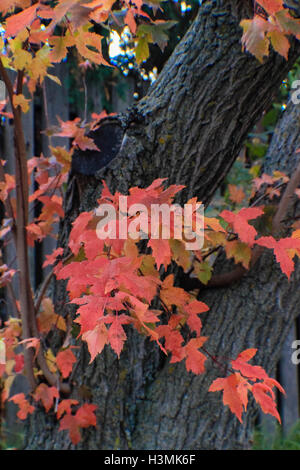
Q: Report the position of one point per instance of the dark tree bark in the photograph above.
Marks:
(190, 129)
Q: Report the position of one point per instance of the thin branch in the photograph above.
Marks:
(7, 203)
(43, 291)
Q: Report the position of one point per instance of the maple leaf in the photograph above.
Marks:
(233, 395)
(83, 418)
(241, 252)
(85, 415)
(271, 6)
(173, 342)
(8, 5)
(96, 340)
(19, 21)
(161, 252)
(179, 254)
(193, 309)
(116, 334)
(91, 309)
(79, 226)
(84, 40)
(46, 394)
(20, 100)
(51, 259)
(51, 205)
(25, 407)
(171, 295)
(65, 360)
(265, 398)
(63, 156)
(60, 45)
(67, 128)
(195, 359)
(254, 38)
(239, 221)
(203, 271)
(284, 250)
(247, 370)
(236, 194)
(279, 42)
(130, 20)
(84, 142)
(286, 23)
(69, 423)
(65, 406)
(47, 318)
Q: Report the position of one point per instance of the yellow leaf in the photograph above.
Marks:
(51, 362)
(254, 38)
(21, 59)
(280, 43)
(20, 100)
(54, 78)
(142, 49)
(240, 252)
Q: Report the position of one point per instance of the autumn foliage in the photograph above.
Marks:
(116, 283)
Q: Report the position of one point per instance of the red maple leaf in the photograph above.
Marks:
(83, 418)
(193, 309)
(25, 407)
(233, 395)
(18, 22)
(46, 394)
(271, 6)
(195, 359)
(266, 399)
(284, 250)
(65, 406)
(239, 221)
(65, 360)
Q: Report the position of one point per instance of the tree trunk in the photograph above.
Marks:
(189, 128)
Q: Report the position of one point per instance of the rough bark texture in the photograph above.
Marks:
(190, 129)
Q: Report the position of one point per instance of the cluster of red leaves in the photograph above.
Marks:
(114, 283)
(272, 28)
(244, 378)
(69, 420)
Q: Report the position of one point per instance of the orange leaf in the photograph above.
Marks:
(239, 221)
(65, 406)
(24, 405)
(284, 250)
(195, 359)
(236, 194)
(161, 252)
(271, 6)
(265, 398)
(46, 395)
(65, 360)
(18, 22)
(254, 38)
(233, 396)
